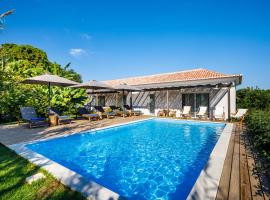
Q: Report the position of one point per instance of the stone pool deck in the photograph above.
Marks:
(13, 134)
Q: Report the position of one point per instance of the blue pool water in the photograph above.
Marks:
(151, 159)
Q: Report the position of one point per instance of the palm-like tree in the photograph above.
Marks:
(3, 15)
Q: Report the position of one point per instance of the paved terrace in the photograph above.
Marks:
(240, 177)
(13, 134)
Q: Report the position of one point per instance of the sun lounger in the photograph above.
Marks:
(186, 112)
(132, 112)
(178, 113)
(101, 112)
(29, 114)
(219, 113)
(86, 114)
(202, 112)
(61, 118)
(119, 112)
(240, 115)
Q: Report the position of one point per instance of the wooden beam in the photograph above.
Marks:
(187, 87)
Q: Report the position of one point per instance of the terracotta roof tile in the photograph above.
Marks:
(196, 74)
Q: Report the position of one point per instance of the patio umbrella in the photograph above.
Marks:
(50, 80)
(125, 87)
(93, 85)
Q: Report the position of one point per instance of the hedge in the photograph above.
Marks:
(258, 123)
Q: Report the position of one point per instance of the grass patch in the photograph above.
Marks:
(14, 170)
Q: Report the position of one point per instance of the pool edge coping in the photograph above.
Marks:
(75, 181)
(207, 183)
(93, 190)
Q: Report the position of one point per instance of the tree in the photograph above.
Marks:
(22, 61)
(253, 98)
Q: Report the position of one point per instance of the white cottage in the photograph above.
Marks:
(195, 88)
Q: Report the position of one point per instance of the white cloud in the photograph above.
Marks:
(76, 52)
(86, 36)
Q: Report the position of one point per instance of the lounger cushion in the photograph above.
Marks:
(64, 117)
(91, 115)
(110, 113)
(37, 119)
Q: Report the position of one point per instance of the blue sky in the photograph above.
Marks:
(115, 39)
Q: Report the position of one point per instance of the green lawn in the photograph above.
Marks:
(13, 172)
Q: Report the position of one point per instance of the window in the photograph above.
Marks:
(195, 101)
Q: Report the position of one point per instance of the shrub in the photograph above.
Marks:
(258, 123)
(253, 98)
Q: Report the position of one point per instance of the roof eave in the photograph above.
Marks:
(236, 79)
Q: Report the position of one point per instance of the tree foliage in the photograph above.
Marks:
(253, 98)
(18, 62)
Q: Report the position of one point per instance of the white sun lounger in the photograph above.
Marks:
(219, 113)
(178, 113)
(202, 112)
(186, 111)
(240, 114)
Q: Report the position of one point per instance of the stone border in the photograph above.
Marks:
(75, 181)
(204, 188)
(206, 185)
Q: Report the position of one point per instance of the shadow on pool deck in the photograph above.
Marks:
(12, 134)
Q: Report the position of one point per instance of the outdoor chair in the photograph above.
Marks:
(131, 111)
(202, 112)
(60, 118)
(178, 114)
(186, 112)
(29, 115)
(101, 112)
(219, 113)
(118, 112)
(86, 114)
(161, 113)
(240, 115)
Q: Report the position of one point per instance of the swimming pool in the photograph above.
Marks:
(151, 159)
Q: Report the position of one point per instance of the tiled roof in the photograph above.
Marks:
(190, 75)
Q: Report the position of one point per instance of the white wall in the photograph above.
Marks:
(233, 100)
(224, 102)
(218, 98)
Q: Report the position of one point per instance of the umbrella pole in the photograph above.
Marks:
(49, 95)
(49, 99)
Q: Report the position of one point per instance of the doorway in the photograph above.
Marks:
(101, 101)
